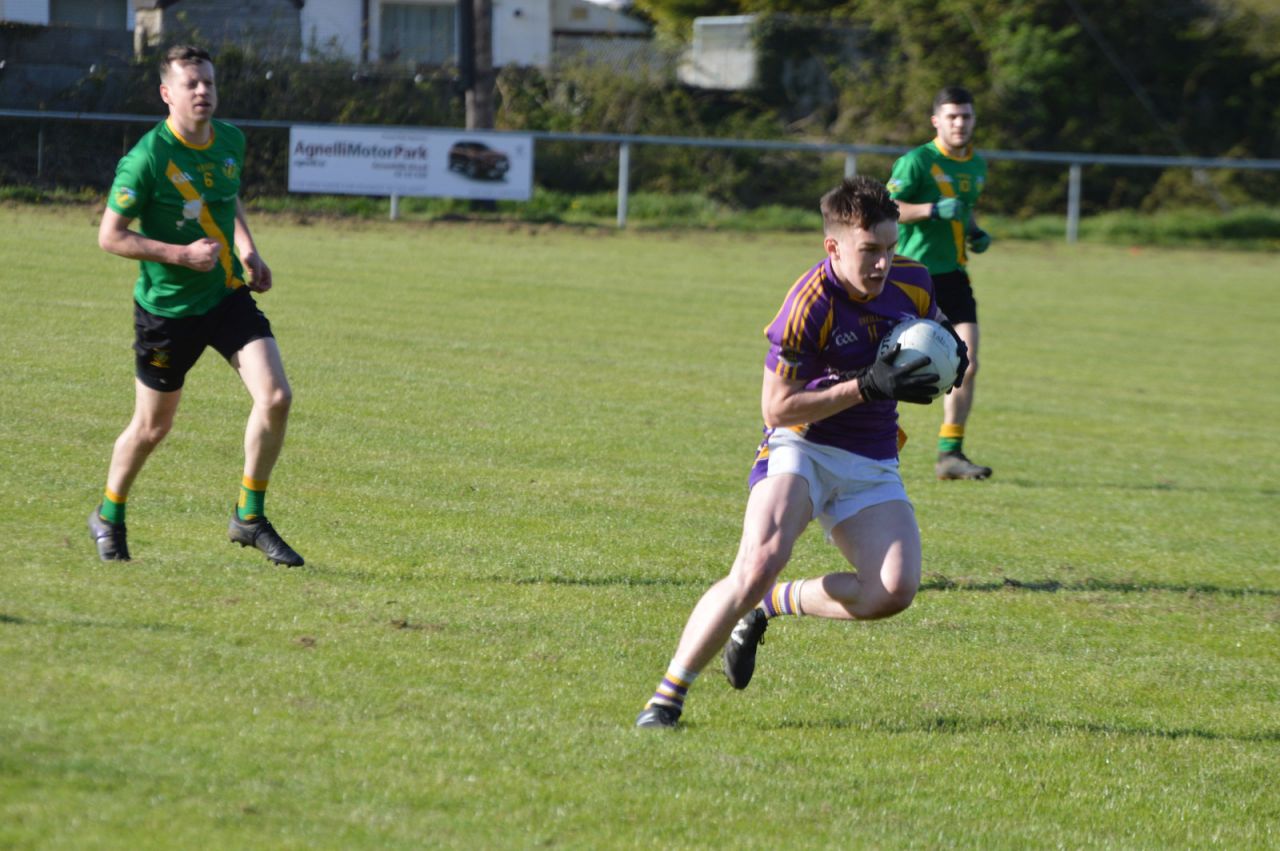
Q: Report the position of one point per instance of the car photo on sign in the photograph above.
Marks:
(478, 161)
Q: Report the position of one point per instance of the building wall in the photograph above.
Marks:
(272, 27)
(94, 14)
(329, 26)
(25, 11)
(522, 32)
(375, 23)
(45, 67)
(583, 17)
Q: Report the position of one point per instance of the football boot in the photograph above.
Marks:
(261, 534)
(110, 538)
(740, 650)
(658, 715)
(953, 465)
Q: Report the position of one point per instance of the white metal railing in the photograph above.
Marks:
(1074, 161)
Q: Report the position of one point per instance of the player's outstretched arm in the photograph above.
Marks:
(256, 269)
(908, 212)
(115, 237)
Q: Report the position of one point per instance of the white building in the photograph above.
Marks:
(525, 32)
(425, 31)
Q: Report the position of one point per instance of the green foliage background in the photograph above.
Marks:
(1045, 82)
(1154, 77)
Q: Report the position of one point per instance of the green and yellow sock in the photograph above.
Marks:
(950, 438)
(112, 508)
(253, 499)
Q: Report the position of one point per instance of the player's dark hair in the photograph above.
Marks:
(860, 202)
(951, 94)
(183, 54)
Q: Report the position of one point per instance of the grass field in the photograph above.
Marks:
(518, 455)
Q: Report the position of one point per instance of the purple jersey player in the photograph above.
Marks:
(822, 336)
(830, 450)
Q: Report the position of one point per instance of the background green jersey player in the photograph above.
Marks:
(181, 185)
(937, 186)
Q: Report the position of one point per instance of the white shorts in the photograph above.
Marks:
(841, 483)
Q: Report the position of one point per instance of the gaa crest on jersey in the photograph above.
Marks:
(126, 197)
(191, 211)
(230, 168)
(845, 338)
(894, 186)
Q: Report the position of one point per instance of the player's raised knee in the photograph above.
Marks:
(897, 600)
(888, 601)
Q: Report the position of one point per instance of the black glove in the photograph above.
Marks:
(888, 379)
(964, 354)
(978, 240)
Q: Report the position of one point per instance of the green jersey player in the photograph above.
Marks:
(937, 186)
(198, 263)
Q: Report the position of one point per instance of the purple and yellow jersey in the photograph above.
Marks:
(821, 335)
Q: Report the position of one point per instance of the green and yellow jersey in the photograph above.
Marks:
(178, 193)
(923, 176)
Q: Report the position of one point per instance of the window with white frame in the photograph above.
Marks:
(417, 33)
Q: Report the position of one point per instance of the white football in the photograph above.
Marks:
(928, 338)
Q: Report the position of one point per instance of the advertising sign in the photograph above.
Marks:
(403, 161)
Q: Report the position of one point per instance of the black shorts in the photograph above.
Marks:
(165, 347)
(955, 296)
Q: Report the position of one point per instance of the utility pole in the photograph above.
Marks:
(479, 82)
(475, 67)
